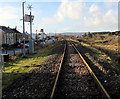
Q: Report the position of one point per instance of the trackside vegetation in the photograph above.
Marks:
(18, 66)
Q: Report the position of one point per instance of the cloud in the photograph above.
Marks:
(109, 18)
(107, 21)
(97, 19)
(8, 13)
(67, 9)
(109, 4)
(94, 8)
(48, 21)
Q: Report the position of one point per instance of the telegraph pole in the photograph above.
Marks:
(23, 29)
(30, 22)
(23, 17)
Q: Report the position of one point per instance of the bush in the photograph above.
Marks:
(5, 46)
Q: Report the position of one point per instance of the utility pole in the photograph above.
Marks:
(23, 17)
(31, 44)
(23, 29)
(30, 7)
(36, 35)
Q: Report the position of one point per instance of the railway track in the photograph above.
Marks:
(75, 79)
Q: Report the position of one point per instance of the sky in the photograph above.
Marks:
(62, 16)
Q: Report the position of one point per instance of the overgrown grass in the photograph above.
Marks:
(101, 57)
(106, 43)
(18, 66)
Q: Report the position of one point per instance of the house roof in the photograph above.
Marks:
(9, 30)
(26, 33)
(15, 31)
(6, 29)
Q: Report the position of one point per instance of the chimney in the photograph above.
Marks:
(15, 27)
(42, 30)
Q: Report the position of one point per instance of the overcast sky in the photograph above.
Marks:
(64, 16)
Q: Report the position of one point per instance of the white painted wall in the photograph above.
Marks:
(42, 36)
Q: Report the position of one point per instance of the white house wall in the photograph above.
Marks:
(42, 36)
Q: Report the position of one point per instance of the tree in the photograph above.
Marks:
(89, 35)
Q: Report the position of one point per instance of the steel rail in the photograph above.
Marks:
(56, 80)
(94, 76)
(90, 70)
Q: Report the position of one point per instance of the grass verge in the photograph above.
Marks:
(19, 66)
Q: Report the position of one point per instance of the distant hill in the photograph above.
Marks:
(72, 33)
(68, 33)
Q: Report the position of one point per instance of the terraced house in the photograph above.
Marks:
(18, 35)
(10, 36)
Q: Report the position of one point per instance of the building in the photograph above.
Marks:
(42, 36)
(27, 36)
(10, 36)
(50, 40)
(7, 35)
(18, 36)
